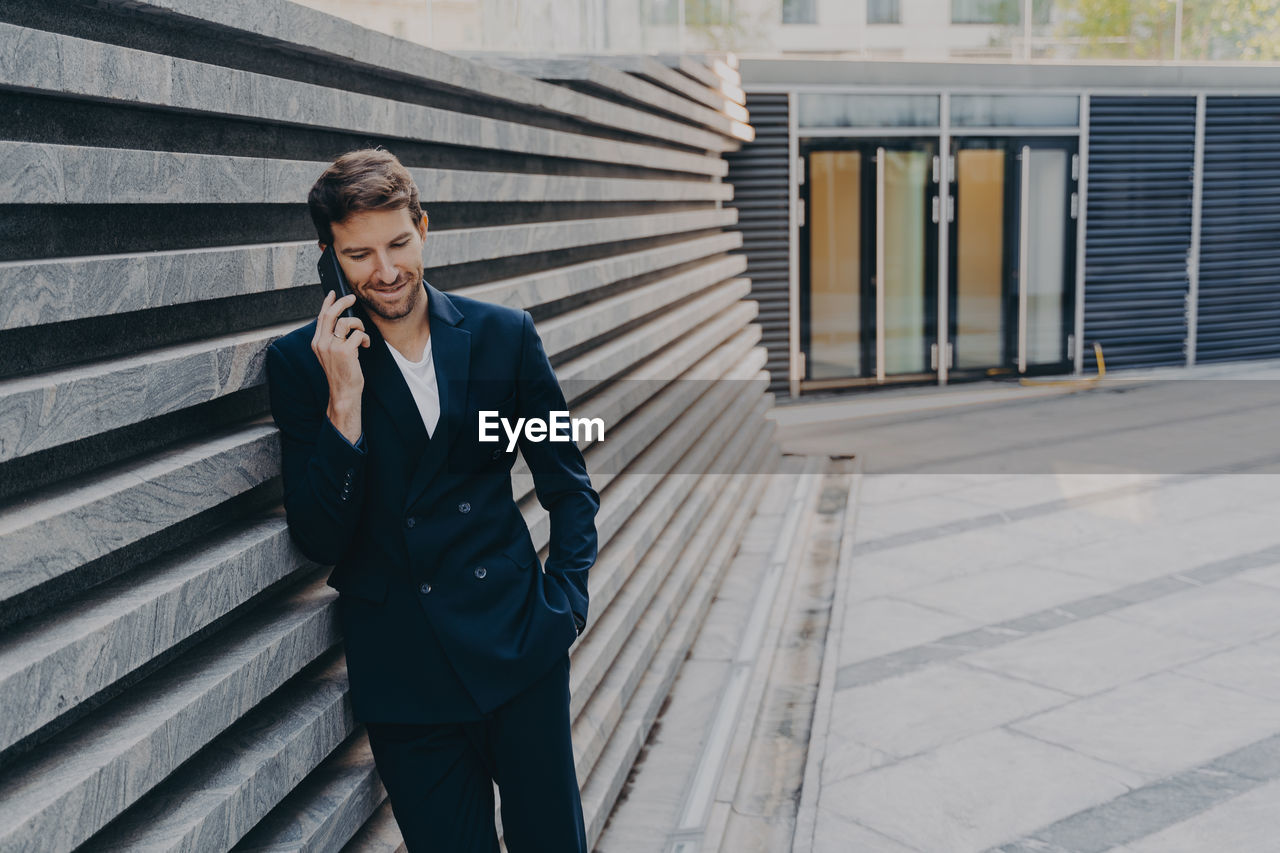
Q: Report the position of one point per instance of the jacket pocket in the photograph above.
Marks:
(521, 552)
(362, 584)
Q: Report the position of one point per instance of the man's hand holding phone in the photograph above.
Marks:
(336, 343)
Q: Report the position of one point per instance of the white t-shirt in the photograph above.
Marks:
(421, 378)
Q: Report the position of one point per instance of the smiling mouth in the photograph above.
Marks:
(395, 287)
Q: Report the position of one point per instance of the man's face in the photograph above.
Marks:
(380, 252)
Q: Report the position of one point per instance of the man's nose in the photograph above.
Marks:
(385, 271)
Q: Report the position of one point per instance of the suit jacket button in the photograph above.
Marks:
(464, 507)
(481, 571)
(425, 588)
(410, 521)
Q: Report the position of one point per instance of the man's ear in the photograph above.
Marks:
(422, 226)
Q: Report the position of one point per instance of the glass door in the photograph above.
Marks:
(1012, 264)
(868, 296)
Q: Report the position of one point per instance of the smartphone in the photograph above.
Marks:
(331, 277)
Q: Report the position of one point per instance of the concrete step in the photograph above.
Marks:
(326, 809)
(739, 702)
(758, 814)
(62, 792)
(52, 663)
(684, 611)
(212, 801)
(53, 532)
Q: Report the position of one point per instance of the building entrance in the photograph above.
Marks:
(869, 259)
(1011, 281)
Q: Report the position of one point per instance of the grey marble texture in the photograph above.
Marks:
(210, 803)
(650, 68)
(43, 173)
(53, 662)
(33, 293)
(586, 69)
(464, 245)
(625, 350)
(327, 808)
(51, 291)
(60, 529)
(67, 66)
(380, 834)
(625, 639)
(599, 647)
(316, 32)
(224, 747)
(575, 327)
(727, 313)
(637, 387)
(684, 420)
(46, 410)
(73, 785)
(539, 288)
(682, 615)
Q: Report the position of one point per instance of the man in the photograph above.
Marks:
(456, 640)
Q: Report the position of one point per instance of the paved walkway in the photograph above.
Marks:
(1052, 662)
(1052, 626)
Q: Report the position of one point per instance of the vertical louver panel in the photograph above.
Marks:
(1239, 299)
(759, 176)
(1141, 153)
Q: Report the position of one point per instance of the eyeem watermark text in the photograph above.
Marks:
(536, 429)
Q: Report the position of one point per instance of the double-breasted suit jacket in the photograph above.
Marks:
(444, 607)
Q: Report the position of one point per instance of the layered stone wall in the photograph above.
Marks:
(170, 669)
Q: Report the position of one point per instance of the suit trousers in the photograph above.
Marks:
(439, 776)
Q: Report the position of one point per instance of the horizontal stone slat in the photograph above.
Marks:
(639, 345)
(602, 642)
(575, 327)
(651, 460)
(54, 532)
(327, 808)
(679, 555)
(281, 24)
(43, 173)
(53, 662)
(70, 787)
(211, 802)
(467, 245)
(46, 410)
(51, 291)
(587, 71)
(645, 340)
(641, 677)
(65, 66)
(653, 463)
(720, 83)
(651, 69)
(634, 388)
(540, 288)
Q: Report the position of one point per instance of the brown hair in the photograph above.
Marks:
(358, 181)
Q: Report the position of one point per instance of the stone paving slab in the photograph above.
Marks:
(1246, 822)
(1092, 655)
(1157, 725)
(975, 792)
(1053, 663)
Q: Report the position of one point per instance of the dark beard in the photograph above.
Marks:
(409, 304)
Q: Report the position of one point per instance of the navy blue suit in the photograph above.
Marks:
(446, 612)
(456, 640)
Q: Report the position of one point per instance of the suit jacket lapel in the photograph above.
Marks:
(451, 352)
(383, 379)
